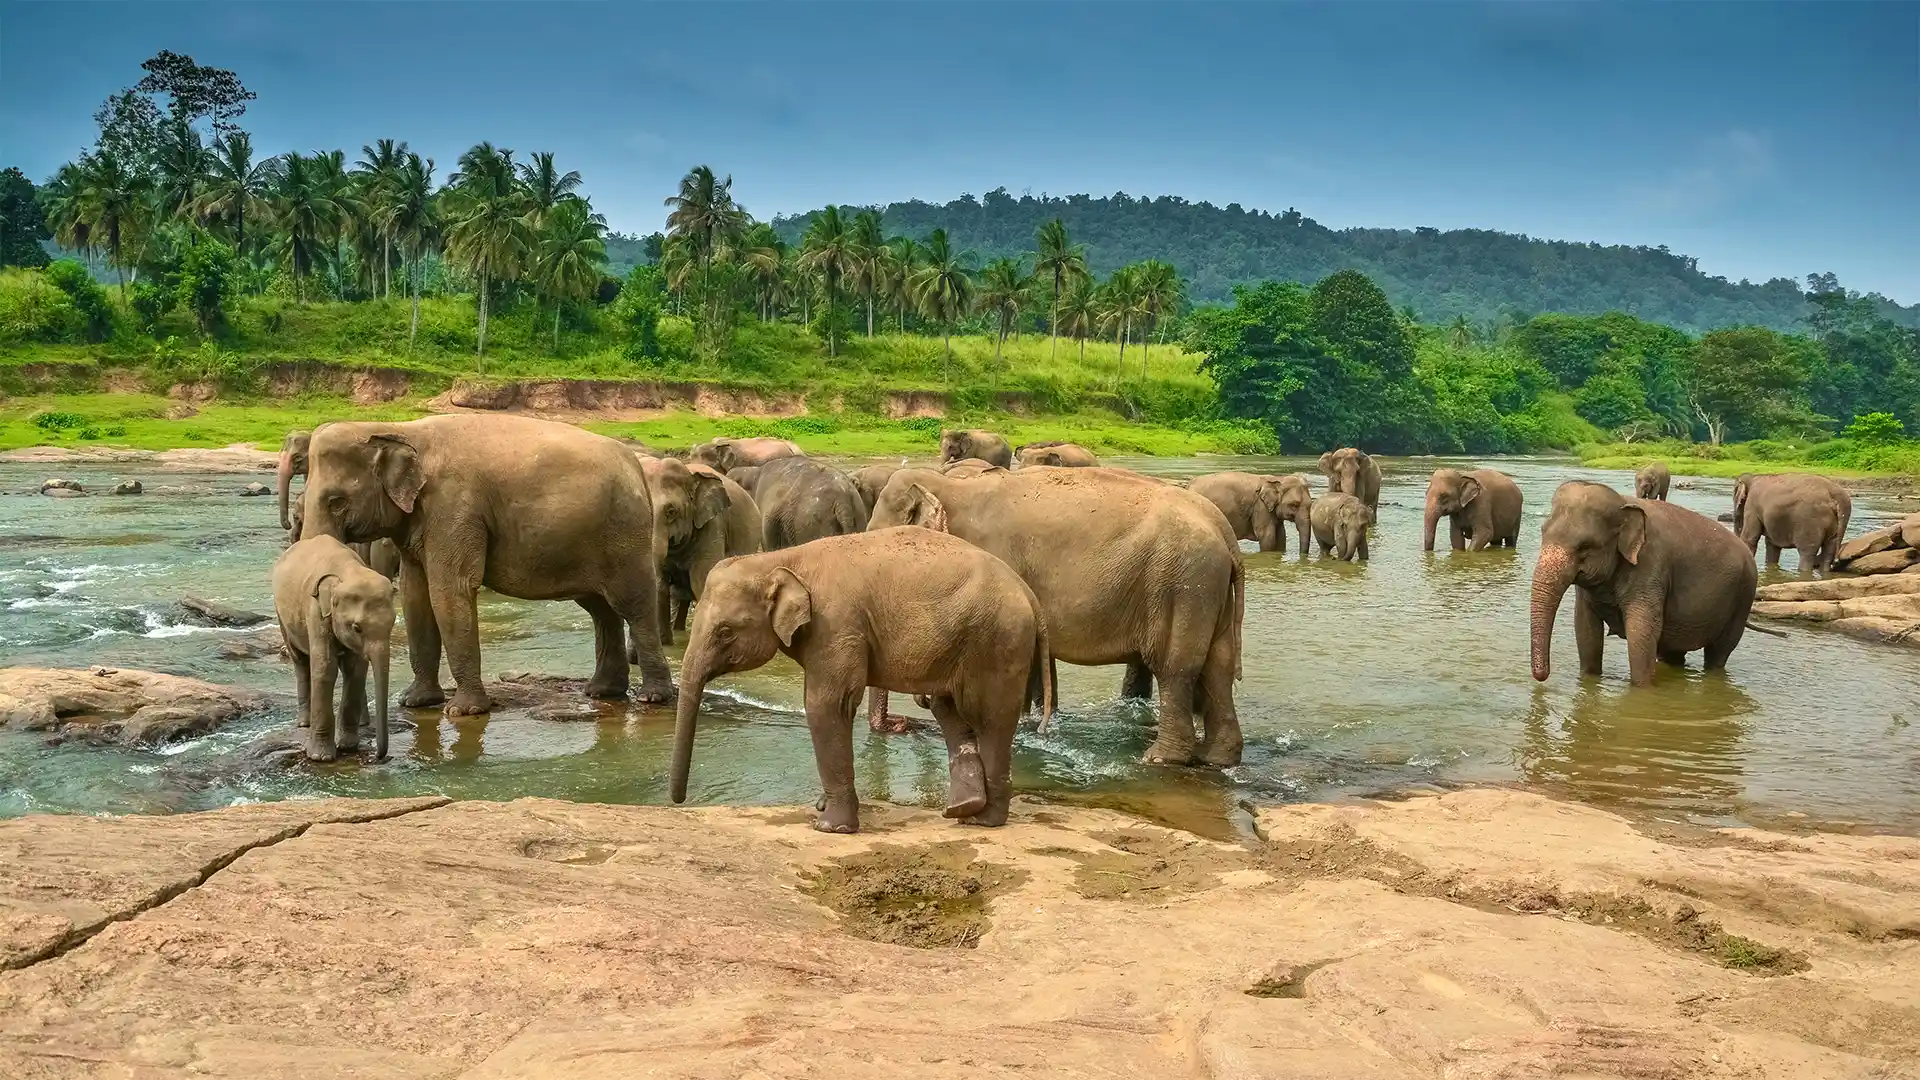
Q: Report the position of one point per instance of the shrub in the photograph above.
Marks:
(33, 309)
(1876, 429)
(89, 433)
(149, 303)
(88, 298)
(206, 280)
(58, 421)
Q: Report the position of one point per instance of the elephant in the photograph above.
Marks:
(1259, 507)
(1127, 571)
(967, 468)
(902, 609)
(1355, 473)
(975, 443)
(1059, 454)
(293, 460)
(1652, 480)
(801, 500)
(1792, 510)
(1483, 507)
(1340, 525)
(336, 618)
(528, 508)
(1666, 579)
(381, 555)
(699, 518)
(728, 454)
(870, 480)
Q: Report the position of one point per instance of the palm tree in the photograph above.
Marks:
(1120, 303)
(1003, 289)
(943, 290)
(547, 186)
(180, 172)
(330, 172)
(704, 215)
(66, 212)
(1078, 311)
(378, 171)
(827, 251)
(1460, 332)
(306, 212)
(764, 257)
(113, 202)
(487, 230)
(572, 251)
(1064, 263)
(1160, 294)
(677, 264)
(235, 186)
(903, 262)
(870, 259)
(412, 217)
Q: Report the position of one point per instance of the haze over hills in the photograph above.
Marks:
(1479, 273)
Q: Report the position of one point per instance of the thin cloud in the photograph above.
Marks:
(1722, 168)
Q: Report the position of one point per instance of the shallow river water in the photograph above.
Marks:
(1406, 671)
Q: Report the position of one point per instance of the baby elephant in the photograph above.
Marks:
(903, 609)
(1652, 481)
(335, 613)
(1340, 525)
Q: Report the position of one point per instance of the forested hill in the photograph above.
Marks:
(1478, 273)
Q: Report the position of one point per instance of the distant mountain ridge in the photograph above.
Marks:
(1479, 273)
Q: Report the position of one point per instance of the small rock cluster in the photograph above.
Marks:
(1894, 549)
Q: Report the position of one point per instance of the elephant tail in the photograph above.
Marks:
(1766, 630)
(1040, 678)
(1236, 609)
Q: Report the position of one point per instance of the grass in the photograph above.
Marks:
(1828, 457)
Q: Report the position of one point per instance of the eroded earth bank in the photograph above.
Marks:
(1481, 933)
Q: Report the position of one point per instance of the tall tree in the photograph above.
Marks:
(764, 258)
(487, 231)
(572, 253)
(827, 251)
(869, 260)
(306, 214)
(1078, 311)
(1122, 303)
(903, 262)
(1748, 383)
(114, 203)
(376, 174)
(60, 198)
(23, 223)
(1002, 293)
(1161, 293)
(703, 215)
(236, 187)
(548, 187)
(1063, 262)
(179, 174)
(413, 219)
(943, 289)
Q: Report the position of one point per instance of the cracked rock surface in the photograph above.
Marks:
(1477, 934)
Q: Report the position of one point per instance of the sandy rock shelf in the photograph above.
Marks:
(1485, 933)
(1883, 609)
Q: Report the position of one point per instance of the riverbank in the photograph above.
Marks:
(1433, 936)
(1892, 467)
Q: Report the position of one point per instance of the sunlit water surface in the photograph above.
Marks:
(1409, 670)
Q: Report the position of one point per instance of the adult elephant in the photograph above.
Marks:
(870, 480)
(1666, 579)
(1482, 508)
(801, 500)
(1258, 508)
(1652, 481)
(1127, 571)
(1064, 455)
(975, 443)
(380, 555)
(729, 454)
(1355, 473)
(1792, 510)
(293, 462)
(699, 518)
(967, 468)
(528, 508)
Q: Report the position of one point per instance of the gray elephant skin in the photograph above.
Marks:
(800, 500)
(381, 555)
(1353, 472)
(975, 443)
(729, 454)
(699, 518)
(528, 508)
(1060, 455)
(1652, 481)
(336, 618)
(1127, 571)
(1258, 508)
(1482, 508)
(870, 480)
(1340, 524)
(1666, 579)
(903, 609)
(1792, 510)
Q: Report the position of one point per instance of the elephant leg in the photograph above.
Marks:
(423, 639)
(682, 602)
(1773, 555)
(1219, 721)
(1360, 546)
(994, 720)
(665, 592)
(637, 602)
(966, 770)
(1137, 683)
(879, 717)
(610, 676)
(1672, 658)
(1644, 622)
(1809, 558)
(321, 670)
(1456, 536)
(455, 611)
(830, 710)
(353, 710)
(302, 671)
(1589, 634)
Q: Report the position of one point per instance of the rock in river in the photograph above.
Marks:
(256, 489)
(127, 487)
(116, 705)
(220, 614)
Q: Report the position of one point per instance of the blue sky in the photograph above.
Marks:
(1767, 139)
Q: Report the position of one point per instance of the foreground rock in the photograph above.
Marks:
(117, 705)
(1884, 609)
(1477, 934)
(1888, 550)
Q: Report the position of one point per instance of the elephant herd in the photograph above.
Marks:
(961, 584)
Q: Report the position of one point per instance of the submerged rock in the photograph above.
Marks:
(117, 705)
(220, 614)
(258, 645)
(60, 484)
(256, 489)
(128, 487)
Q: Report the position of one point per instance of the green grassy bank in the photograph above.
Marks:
(1830, 457)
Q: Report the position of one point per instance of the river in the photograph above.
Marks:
(1404, 672)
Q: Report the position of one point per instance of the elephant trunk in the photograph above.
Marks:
(283, 479)
(381, 660)
(1551, 576)
(1432, 525)
(693, 680)
(1303, 526)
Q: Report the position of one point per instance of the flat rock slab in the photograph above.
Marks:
(117, 704)
(540, 939)
(220, 614)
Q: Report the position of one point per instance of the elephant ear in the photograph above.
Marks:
(709, 499)
(927, 510)
(323, 595)
(397, 464)
(1633, 531)
(1469, 491)
(1271, 494)
(790, 604)
(1326, 463)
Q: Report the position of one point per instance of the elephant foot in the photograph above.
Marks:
(887, 723)
(838, 815)
(966, 784)
(1165, 751)
(607, 689)
(422, 695)
(320, 748)
(469, 703)
(655, 693)
(991, 818)
(1223, 754)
